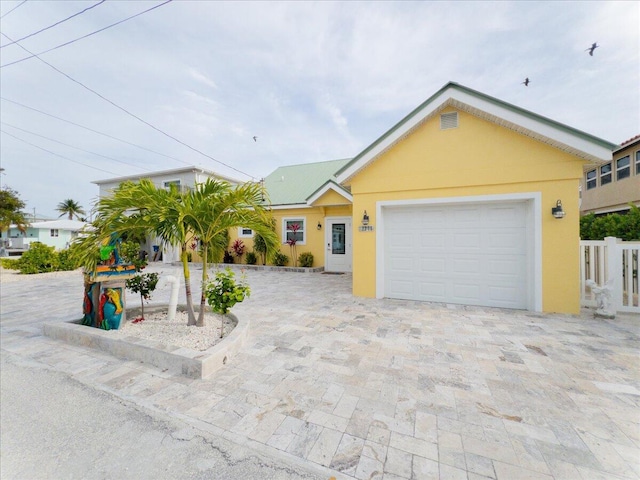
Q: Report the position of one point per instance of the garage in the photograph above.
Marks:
(470, 253)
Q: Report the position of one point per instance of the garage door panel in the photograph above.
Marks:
(471, 254)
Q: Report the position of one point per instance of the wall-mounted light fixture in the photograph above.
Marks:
(365, 218)
(558, 211)
(319, 226)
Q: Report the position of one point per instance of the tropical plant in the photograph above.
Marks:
(280, 259)
(251, 258)
(306, 259)
(292, 242)
(227, 257)
(223, 292)
(206, 211)
(40, 258)
(11, 210)
(71, 208)
(260, 247)
(238, 248)
(144, 284)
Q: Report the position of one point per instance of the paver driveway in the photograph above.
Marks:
(386, 389)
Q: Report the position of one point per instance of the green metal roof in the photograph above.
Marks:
(293, 184)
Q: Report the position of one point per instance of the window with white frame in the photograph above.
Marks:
(245, 232)
(623, 168)
(54, 232)
(638, 162)
(605, 174)
(168, 184)
(294, 228)
(591, 179)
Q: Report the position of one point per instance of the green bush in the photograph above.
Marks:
(305, 259)
(280, 259)
(39, 258)
(9, 263)
(223, 292)
(251, 258)
(623, 226)
(67, 260)
(260, 247)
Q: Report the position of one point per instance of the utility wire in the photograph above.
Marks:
(58, 155)
(96, 131)
(19, 5)
(79, 38)
(76, 148)
(57, 23)
(129, 113)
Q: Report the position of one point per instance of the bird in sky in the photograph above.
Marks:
(255, 139)
(592, 48)
(526, 82)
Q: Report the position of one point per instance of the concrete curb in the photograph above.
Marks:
(188, 362)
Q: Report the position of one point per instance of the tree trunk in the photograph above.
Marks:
(187, 285)
(141, 306)
(205, 253)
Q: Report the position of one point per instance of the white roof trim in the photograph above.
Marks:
(494, 112)
(330, 185)
(288, 207)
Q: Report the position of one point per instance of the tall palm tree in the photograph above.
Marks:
(175, 216)
(71, 208)
(215, 207)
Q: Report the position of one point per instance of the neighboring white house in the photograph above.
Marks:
(185, 178)
(55, 233)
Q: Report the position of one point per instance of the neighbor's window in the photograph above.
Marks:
(245, 232)
(591, 179)
(638, 162)
(290, 230)
(172, 182)
(54, 232)
(623, 168)
(605, 174)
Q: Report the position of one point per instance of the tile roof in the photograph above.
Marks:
(293, 184)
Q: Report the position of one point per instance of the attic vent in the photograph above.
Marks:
(448, 120)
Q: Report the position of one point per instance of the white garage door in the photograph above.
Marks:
(471, 254)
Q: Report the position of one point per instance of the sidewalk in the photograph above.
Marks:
(383, 389)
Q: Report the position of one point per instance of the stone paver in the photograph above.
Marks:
(382, 389)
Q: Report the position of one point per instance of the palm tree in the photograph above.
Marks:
(214, 208)
(174, 216)
(71, 208)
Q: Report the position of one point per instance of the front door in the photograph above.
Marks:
(338, 240)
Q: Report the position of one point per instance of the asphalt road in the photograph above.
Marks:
(54, 427)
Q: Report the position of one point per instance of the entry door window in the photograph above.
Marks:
(338, 244)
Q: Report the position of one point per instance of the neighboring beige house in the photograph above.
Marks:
(185, 178)
(610, 187)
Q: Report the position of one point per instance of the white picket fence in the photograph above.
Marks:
(601, 260)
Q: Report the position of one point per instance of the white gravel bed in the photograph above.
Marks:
(10, 276)
(157, 327)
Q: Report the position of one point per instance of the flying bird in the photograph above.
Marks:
(255, 139)
(526, 82)
(592, 48)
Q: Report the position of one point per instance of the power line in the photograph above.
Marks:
(76, 148)
(57, 23)
(79, 38)
(96, 131)
(19, 5)
(58, 155)
(128, 112)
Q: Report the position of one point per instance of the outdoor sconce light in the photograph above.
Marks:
(365, 218)
(557, 211)
(319, 226)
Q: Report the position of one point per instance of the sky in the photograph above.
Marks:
(313, 81)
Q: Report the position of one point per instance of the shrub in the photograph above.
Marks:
(238, 248)
(623, 226)
(9, 263)
(260, 247)
(67, 260)
(251, 258)
(39, 258)
(143, 284)
(228, 258)
(223, 292)
(280, 259)
(306, 259)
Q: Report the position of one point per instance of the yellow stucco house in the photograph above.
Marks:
(467, 200)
